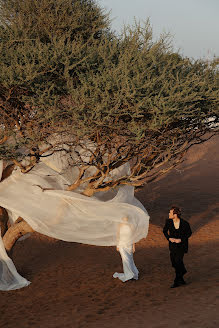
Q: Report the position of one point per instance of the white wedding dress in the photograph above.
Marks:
(68, 215)
(126, 251)
(9, 277)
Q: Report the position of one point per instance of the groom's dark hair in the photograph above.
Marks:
(176, 210)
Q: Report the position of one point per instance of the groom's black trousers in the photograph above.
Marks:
(176, 258)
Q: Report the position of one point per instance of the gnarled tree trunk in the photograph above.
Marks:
(17, 230)
(11, 233)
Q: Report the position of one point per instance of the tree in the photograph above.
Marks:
(67, 81)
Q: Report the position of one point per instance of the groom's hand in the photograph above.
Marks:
(174, 240)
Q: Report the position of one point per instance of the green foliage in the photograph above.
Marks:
(43, 46)
(62, 71)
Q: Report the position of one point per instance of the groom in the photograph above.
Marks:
(177, 231)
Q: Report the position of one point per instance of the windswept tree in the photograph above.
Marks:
(66, 81)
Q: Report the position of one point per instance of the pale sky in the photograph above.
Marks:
(194, 24)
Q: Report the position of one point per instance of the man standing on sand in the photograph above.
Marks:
(177, 231)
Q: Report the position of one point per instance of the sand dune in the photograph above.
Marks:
(72, 284)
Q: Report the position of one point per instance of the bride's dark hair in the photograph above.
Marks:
(176, 210)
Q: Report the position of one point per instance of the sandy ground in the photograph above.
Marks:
(72, 284)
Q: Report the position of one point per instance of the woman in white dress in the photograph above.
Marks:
(126, 250)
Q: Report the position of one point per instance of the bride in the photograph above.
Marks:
(124, 235)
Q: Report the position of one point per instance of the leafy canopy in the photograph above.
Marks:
(63, 72)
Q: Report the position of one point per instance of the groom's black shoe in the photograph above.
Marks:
(178, 283)
(174, 285)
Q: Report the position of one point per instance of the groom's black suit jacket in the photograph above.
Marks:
(184, 232)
